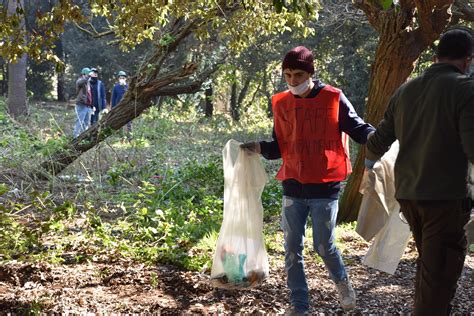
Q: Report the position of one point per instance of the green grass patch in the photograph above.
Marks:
(157, 198)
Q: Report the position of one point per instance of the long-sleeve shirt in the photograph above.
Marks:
(98, 94)
(82, 87)
(349, 123)
(117, 94)
(432, 116)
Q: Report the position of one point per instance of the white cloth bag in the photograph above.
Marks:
(379, 215)
(240, 259)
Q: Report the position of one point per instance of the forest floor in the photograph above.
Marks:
(127, 287)
(121, 286)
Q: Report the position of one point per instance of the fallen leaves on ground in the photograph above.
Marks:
(128, 287)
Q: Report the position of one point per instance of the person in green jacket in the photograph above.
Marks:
(432, 116)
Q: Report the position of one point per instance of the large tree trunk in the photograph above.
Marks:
(16, 102)
(17, 105)
(404, 35)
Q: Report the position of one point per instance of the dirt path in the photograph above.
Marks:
(134, 288)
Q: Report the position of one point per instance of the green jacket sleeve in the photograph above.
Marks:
(380, 141)
(466, 119)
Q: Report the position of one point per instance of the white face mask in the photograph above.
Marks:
(302, 87)
(122, 81)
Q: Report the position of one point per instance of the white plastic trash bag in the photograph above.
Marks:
(240, 260)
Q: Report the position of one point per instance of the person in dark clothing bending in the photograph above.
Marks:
(432, 116)
(311, 124)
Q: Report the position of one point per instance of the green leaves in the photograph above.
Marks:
(133, 22)
(296, 6)
(386, 4)
(166, 39)
(3, 188)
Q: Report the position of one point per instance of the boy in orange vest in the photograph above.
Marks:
(311, 124)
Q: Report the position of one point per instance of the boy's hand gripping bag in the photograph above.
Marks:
(240, 260)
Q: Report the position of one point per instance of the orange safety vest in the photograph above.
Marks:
(312, 147)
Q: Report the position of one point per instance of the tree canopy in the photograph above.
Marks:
(130, 23)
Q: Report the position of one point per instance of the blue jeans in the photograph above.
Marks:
(83, 119)
(294, 215)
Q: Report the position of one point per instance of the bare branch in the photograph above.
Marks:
(372, 11)
(463, 10)
(93, 32)
(179, 31)
(337, 12)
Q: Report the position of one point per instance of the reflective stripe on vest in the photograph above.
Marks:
(312, 147)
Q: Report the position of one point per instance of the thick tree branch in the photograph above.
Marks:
(93, 32)
(168, 78)
(179, 30)
(190, 86)
(430, 11)
(372, 11)
(433, 17)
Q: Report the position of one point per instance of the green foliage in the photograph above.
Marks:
(39, 82)
(386, 4)
(294, 6)
(164, 207)
(40, 41)
(162, 202)
(21, 147)
(132, 23)
(83, 50)
(174, 209)
(18, 240)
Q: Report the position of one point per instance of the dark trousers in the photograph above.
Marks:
(95, 115)
(437, 228)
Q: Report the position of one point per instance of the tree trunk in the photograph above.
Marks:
(388, 73)
(267, 93)
(234, 110)
(400, 45)
(17, 76)
(60, 73)
(208, 105)
(17, 88)
(3, 81)
(243, 93)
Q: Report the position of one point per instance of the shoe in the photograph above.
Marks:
(294, 312)
(347, 297)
